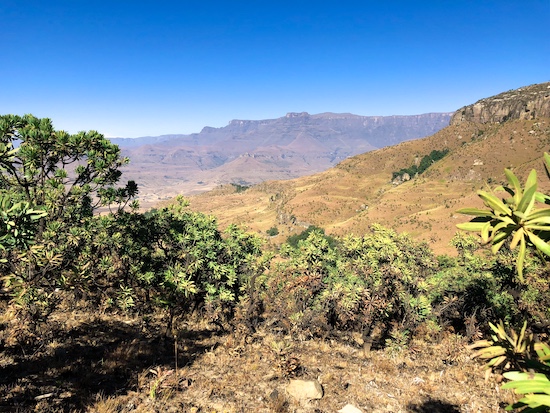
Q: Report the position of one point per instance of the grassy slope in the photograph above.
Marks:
(357, 192)
(86, 359)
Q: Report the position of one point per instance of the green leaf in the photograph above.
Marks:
(542, 214)
(542, 198)
(485, 232)
(471, 226)
(538, 227)
(494, 203)
(528, 199)
(514, 182)
(515, 239)
(531, 179)
(497, 245)
(539, 243)
(475, 211)
(528, 386)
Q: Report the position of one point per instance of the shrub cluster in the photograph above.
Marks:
(424, 164)
(382, 285)
(385, 285)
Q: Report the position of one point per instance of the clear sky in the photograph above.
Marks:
(131, 68)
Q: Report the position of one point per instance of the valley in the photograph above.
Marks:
(249, 152)
(204, 304)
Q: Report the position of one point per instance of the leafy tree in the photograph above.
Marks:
(70, 175)
(67, 176)
(425, 163)
(272, 231)
(170, 257)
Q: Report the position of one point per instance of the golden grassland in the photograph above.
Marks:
(357, 192)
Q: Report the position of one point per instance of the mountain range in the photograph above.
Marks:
(509, 130)
(248, 152)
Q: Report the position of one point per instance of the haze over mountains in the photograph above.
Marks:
(252, 151)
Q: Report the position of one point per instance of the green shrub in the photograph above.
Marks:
(362, 284)
(425, 163)
(65, 176)
(293, 240)
(272, 231)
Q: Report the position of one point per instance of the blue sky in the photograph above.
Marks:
(132, 68)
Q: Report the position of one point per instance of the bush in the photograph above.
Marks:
(425, 163)
(293, 240)
(364, 284)
(272, 231)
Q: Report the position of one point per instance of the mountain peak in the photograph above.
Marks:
(529, 102)
(297, 115)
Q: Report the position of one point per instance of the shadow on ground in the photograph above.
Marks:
(433, 406)
(97, 358)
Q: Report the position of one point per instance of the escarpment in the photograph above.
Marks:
(530, 102)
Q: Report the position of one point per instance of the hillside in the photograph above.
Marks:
(359, 191)
(162, 311)
(253, 151)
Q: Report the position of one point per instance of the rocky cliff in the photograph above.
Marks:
(530, 102)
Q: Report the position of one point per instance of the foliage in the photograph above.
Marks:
(65, 176)
(169, 257)
(359, 283)
(535, 387)
(293, 240)
(513, 219)
(515, 351)
(272, 231)
(18, 223)
(240, 188)
(50, 187)
(512, 222)
(57, 170)
(507, 350)
(425, 163)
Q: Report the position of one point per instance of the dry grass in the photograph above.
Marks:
(110, 363)
(358, 192)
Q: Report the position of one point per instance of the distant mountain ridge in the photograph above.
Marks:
(510, 130)
(380, 131)
(294, 145)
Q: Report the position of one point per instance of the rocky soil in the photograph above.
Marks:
(89, 360)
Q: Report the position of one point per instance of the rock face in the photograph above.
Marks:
(530, 102)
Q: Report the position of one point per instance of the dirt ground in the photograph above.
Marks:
(83, 360)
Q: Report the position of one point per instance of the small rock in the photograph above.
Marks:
(305, 389)
(417, 380)
(44, 396)
(349, 408)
